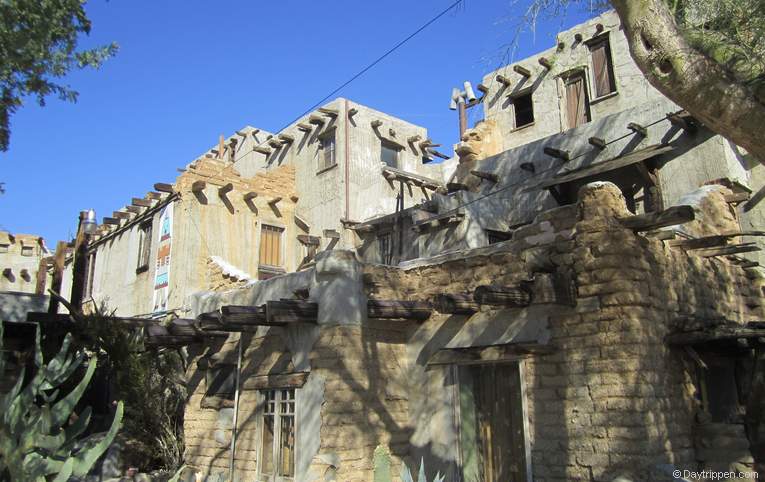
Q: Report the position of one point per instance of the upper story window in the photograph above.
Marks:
(385, 248)
(27, 250)
(523, 108)
(277, 440)
(271, 259)
(4, 248)
(577, 100)
(389, 154)
(602, 67)
(327, 150)
(144, 247)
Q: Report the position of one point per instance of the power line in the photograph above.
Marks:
(375, 62)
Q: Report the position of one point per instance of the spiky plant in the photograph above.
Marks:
(383, 473)
(36, 442)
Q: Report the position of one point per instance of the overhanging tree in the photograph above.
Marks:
(38, 44)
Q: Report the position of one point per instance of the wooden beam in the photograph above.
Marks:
(274, 201)
(522, 70)
(154, 195)
(488, 354)
(703, 242)
(262, 150)
(434, 152)
(198, 186)
(281, 380)
(145, 203)
(352, 111)
(275, 143)
(489, 176)
(121, 215)
(376, 124)
(637, 129)
(225, 189)
(413, 139)
(456, 186)
(729, 331)
(291, 311)
(482, 89)
(650, 221)
(455, 304)
(286, 138)
(399, 309)
(518, 295)
(315, 119)
(331, 233)
(328, 112)
(244, 315)
(558, 153)
(727, 250)
(683, 120)
(111, 221)
(545, 63)
(309, 240)
(162, 187)
(503, 80)
(134, 209)
(304, 127)
(248, 196)
(598, 142)
(737, 197)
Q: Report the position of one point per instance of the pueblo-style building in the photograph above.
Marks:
(575, 295)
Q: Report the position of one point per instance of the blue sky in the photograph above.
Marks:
(189, 70)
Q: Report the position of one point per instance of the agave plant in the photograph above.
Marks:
(35, 441)
(382, 468)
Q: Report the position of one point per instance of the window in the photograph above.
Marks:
(385, 248)
(577, 101)
(327, 150)
(270, 261)
(27, 250)
(4, 248)
(389, 154)
(602, 67)
(497, 236)
(144, 247)
(276, 460)
(524, 110)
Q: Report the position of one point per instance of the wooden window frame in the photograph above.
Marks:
(568, 78)
(4, 248)
(278, 413)
(145, 232)
(91, 275)
(321, 156)
(523, 93)
(386, 144)
(270, 270)
(385, 258)
(592, 44)
(27, 250)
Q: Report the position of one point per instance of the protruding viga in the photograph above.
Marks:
(480, 142)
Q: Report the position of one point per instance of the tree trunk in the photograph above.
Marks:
(689, 78)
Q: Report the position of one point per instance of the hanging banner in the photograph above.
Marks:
(162, 273)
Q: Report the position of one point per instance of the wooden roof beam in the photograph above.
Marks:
(399, 309)
(111, 221)
(564, 156)
(544, 62)
(198, 186)
(121, 215)
(315, 119)
(304, 127)
(650, 221)
(225, 189)
(637, 129)
(328, 112)
(262, 150)
(163, 187)
(286, 138)
(455, 304)
(598, 142)
(153, 195)
(134, 209)
(144, 203)
(519, 69)
(291, 311)
(504, 81)
(489, 176)
(518, 295)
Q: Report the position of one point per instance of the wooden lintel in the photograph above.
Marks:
(282, 380)
(145, 203)
(455, 304)
(598, 142)
(519, 69)
(328, 112)
(111, 221)
(291, 311)
(503, 80)
(637, 129)
(315, 119)
(489, 176)
(163, 187)
(557, 153)
(399, 309)
(668, 217)
(198, 186)
(304, 127)
(225, 189)
(544, 62)
(489, 354)
(518, 295)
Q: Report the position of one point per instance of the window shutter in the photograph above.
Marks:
(600, 65)
(270, 246)
(575, 102)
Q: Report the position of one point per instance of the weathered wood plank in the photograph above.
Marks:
(488, 354)
(669, 217)
(727, 250)
(293, 311)
(283, 380)
(455, 304)
(145, 203)
(717, 333)
(163, 187)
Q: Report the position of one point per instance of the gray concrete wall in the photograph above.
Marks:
(14, 306)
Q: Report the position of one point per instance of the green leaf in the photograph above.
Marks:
(87, 456)
(64, 407)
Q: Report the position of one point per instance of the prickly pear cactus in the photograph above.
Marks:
(35, 445)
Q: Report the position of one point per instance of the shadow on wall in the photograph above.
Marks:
(14, 306)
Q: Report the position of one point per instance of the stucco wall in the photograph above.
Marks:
(18, 272)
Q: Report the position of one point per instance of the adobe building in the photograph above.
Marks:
(575, 295)
(23, 275)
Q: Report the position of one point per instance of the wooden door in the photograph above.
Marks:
(499, 421)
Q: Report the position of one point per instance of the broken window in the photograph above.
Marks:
(277, 441)
(385, 247)
(389, 154)
(327, 151)
(144, 247)
(602, 67)
(523, 108)
(577, 101)
(270, 261)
